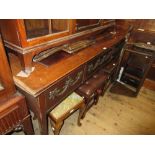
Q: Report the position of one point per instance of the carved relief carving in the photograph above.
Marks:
(100, 61)
(68, 83)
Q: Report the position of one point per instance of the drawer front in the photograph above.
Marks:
(56, 93)
(96, 63)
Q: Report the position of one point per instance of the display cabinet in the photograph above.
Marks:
(29, 37)
(14, 113)
(85, 24)
(41, 27)
(6, 82)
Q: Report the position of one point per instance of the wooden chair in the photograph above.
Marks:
(68, 106)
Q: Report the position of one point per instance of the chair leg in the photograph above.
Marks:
(57, 127)
(81, 112)
(87, 106)
(84, 113)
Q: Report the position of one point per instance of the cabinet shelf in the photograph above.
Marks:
(128, 86)
(132, 76)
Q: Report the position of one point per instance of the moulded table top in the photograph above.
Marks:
(43, 77)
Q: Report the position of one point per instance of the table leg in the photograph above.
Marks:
(43, 121)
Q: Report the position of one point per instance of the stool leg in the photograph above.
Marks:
(96, 98)
(57, 127)
(85, 108)
(81, 111)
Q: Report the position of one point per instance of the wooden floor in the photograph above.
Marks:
(114, 114)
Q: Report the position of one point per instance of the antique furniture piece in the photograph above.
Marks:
(29, 37)
(138, 59)
(68, 106)
(147, 29)
(7, 87)
(92, 88)
(99, 82)
(13, 110)
(48, 85)
(14, 115)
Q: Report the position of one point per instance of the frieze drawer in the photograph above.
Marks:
(97, 62)
(56, 93)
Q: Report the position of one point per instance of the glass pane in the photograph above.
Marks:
(36, 27)
(83, 24)
(59, 25)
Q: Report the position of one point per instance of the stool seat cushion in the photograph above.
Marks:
(91, 85)
(87, 89)
(66, 105)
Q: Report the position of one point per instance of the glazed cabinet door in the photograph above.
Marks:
(41, 27)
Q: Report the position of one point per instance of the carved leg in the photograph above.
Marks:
(27, 126)
(81, 111)
(85, 108)
(26, 62)
(57, 127)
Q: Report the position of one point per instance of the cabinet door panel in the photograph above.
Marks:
(83, 24)
(36, 27)
(59, 25)
(41, 27)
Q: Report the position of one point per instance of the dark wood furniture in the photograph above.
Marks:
(48, 86)
(138, 58)
(27, 38)
(7, 87)
(99, 81)
(92, 89)
(13, 110)
(148, 28)
(14, 115)
(67, 107)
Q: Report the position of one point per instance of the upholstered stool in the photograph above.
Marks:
(72, 103)
(92, 88)
(102, 79)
